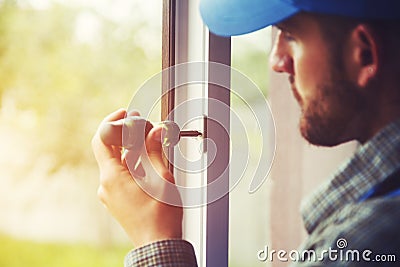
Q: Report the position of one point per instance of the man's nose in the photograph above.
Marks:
(280, 59)
(281, 63)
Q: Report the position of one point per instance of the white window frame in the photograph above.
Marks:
(185, 39)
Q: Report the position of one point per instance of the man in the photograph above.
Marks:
(342, 61)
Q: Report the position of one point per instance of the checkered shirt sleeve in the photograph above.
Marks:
(165, 253)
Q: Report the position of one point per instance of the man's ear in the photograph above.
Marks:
(365, 54)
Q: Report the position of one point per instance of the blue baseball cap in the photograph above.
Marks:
(235, 17)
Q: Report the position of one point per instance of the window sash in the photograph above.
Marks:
(206, 227)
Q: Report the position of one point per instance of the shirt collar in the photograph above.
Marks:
(371, 164)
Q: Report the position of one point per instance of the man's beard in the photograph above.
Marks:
(332, 116)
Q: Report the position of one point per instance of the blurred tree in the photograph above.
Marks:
(68, 78)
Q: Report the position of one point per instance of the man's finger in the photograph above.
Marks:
(102, 151)
(130, 159)
(116, 115)
(155, 153)
(133, 112)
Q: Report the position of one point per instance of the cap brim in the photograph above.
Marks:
(235, 17)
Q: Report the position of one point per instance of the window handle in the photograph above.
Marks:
(131, 131)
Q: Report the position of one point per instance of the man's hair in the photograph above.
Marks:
(335, 30)
(336, 27)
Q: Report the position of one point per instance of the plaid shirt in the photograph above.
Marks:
(165, 253)
(335, 218)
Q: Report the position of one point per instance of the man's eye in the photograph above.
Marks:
(288, 37)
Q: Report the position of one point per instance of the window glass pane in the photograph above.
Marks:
(64, 65)
(249, 213)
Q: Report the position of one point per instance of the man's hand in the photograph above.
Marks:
(144, 218)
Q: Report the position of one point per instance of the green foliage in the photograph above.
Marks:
(17, 253)
(67, 85)
(252, 62)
